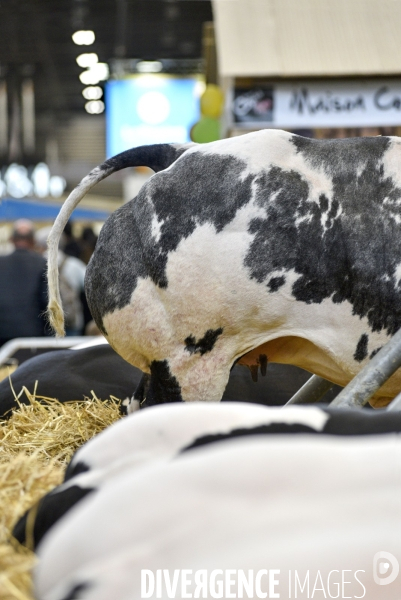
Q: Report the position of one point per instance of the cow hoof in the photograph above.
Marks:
(124, 406)
(132, 406)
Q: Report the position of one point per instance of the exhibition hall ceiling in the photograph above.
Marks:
(36, 42)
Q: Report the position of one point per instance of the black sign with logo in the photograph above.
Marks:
(253, 106)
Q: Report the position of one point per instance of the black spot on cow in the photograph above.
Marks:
(119, 245)
(197, 189)
(361, 351)
(361, 422)
(340, 422)
(344, 251)
(205, 344)
(271, 428)
(48, 511)
(75, 593)
(163, 386)
(74, 469)
(275, 233)
(375, 351)
(275, 283)
(323, 202)
(333, 212)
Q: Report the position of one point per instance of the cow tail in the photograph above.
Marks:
(157, 157)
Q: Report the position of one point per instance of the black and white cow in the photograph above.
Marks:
(163, 433)
(264, 247)
(71, 375)
(315, 505)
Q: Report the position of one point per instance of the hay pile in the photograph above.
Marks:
(35, 445)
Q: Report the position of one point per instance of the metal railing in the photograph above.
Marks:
(10, 348)
(363, 386)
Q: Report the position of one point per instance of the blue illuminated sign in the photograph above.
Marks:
(150, 109)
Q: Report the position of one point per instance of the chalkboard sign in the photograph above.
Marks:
(253, 106)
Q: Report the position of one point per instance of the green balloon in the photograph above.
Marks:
(206, 130)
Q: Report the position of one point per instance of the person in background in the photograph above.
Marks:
(88, 243)
(71, 246)
(23, 287)
(71, 278)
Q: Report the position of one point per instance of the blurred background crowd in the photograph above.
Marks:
(82, 80)
(23, 287)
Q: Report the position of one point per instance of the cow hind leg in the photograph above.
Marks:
(199, 379)
(162, 386)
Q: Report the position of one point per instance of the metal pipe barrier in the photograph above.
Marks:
(312, 391)
(11, 347)
(395, 404)
(370, 379)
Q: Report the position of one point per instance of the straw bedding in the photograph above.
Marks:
(35, 445)
(6, 371)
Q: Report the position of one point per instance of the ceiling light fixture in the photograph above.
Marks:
(96, 73)
(88, 59)
(93, 92)
(94, 107)
(89, 78)
(83, 37)
(149, 66)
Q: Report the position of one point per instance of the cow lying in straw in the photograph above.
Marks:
(163, 433)
(159, 490)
